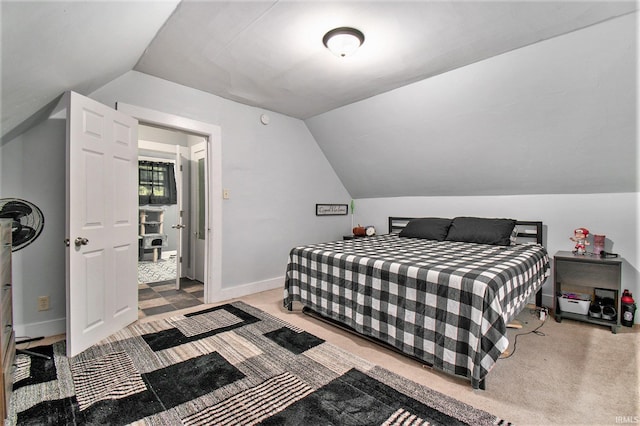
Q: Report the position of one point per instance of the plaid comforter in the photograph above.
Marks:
(447, 303)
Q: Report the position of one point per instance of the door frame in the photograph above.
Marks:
(194, 205)
(213, 135)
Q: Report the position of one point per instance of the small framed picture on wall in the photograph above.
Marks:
(332, 209)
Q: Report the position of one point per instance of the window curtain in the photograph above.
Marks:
(157, 183)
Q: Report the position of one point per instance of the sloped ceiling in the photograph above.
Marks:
(557, 117)
(269, 54)
(49, 47)
(264, 53)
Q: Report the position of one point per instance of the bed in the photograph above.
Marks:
(442, 294)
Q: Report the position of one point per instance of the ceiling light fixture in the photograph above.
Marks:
(343, 41)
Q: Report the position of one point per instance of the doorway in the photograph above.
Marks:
(213, 203)
(167, 280)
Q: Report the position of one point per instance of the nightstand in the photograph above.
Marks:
(585, 274)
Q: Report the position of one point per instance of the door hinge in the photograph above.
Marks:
(180, 167)
(180, 259)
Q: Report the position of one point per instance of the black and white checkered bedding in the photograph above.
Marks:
(447, 303)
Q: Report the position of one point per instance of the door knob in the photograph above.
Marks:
(81, 242)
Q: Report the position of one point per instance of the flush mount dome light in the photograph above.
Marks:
(343, 41)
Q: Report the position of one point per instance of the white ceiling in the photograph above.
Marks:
(263, 53)
(270, 53)
(49, 47)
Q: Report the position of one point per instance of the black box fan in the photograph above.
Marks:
(27, 218)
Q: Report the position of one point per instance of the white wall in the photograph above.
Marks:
(33, 168)
(614, 215)
(165, 136)
(276, 174)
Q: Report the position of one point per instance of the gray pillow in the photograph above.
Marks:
(481, 230)
(429, 228)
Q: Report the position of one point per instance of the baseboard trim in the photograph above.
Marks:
(43, 328)
(227, 293)
(59, 326)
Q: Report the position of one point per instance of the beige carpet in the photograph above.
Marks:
(576, 373)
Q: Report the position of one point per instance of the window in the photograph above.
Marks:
(156, 183)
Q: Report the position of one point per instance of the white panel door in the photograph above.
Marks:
(101, 222)
(199, 210)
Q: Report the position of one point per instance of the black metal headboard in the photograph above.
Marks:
(526, 229)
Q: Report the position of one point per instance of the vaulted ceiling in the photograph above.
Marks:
(443, 98)
(263, 53)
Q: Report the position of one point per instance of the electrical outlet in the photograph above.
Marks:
(43, 303)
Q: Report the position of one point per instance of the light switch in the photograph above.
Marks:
(225, 194)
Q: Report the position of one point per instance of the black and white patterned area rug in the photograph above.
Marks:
(227, 365)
